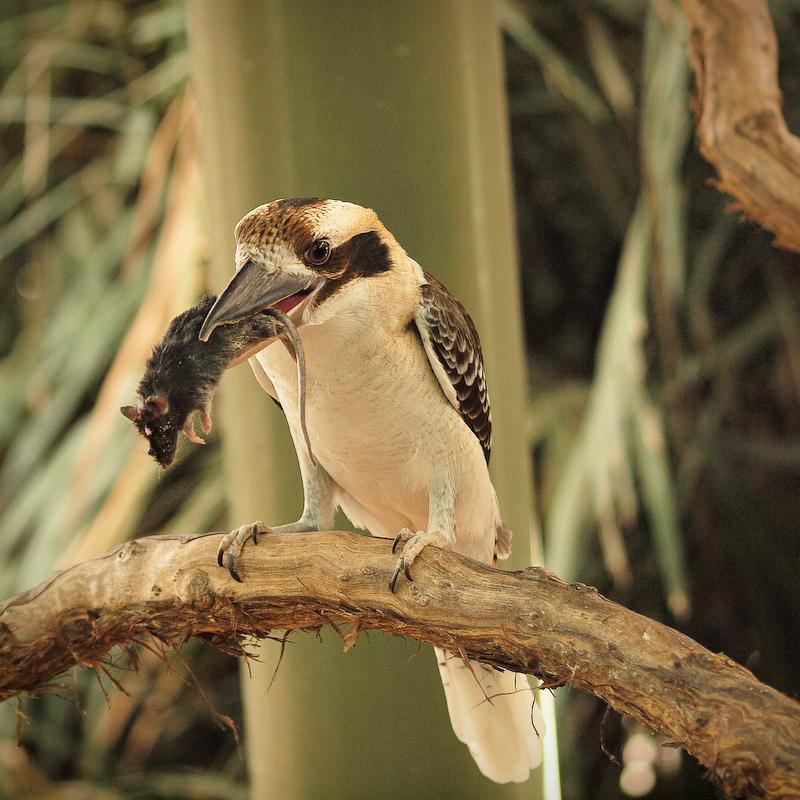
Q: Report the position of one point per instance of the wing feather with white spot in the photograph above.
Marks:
(454, 350)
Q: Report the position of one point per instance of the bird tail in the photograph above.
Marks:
(494, 714)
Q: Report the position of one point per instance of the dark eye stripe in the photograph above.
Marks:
(365, 254)
(362, 256)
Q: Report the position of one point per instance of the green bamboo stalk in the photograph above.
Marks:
(237, 76)
(399, 107)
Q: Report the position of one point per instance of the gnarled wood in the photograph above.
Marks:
(746, 733)
(740, 124)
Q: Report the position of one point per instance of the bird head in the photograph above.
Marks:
(296, 255)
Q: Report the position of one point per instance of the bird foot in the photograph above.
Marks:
(413, 544)
(230, 548)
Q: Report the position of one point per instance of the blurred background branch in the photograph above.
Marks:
(740, 120)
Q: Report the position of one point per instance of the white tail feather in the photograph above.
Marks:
(492, 712)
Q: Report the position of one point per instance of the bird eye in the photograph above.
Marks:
(318, 252)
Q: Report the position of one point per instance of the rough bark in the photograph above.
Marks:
(740, 124)
(747, 734)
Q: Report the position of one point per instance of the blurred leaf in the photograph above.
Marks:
(601, 446)
(15, 28)
(611, 75)
(33, 505)
(158, 23)
(40, 213)
(167, 79)
(732, 350)
(76, 375)
(94, 114)
(136, 137)
(659, 497)
(557, 69)
(622, 437)
(664, 132)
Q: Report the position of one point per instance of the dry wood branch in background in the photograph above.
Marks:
(740, 124)
(746, 733)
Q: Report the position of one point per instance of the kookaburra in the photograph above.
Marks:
(397, 415)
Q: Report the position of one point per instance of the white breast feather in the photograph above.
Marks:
(382, 428)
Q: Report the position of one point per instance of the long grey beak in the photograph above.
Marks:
(251, 289)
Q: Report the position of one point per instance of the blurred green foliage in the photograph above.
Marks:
(99, 211)
(663, 335)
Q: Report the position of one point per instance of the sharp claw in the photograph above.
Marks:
(230, 549)
(397, 540)
(407, 572)
(232, 567)
(395, 574)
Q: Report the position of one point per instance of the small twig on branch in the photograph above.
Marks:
(740, 124)
(747, 734)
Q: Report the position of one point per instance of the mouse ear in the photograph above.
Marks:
(133, 413)
(156, 404)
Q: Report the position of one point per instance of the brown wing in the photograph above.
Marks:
(454, 350)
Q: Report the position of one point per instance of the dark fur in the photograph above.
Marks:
(185, 372)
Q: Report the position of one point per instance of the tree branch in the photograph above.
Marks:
(740, 124)
(746, 733)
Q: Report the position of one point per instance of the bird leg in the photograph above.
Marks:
(318, 511)
(441, 532)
